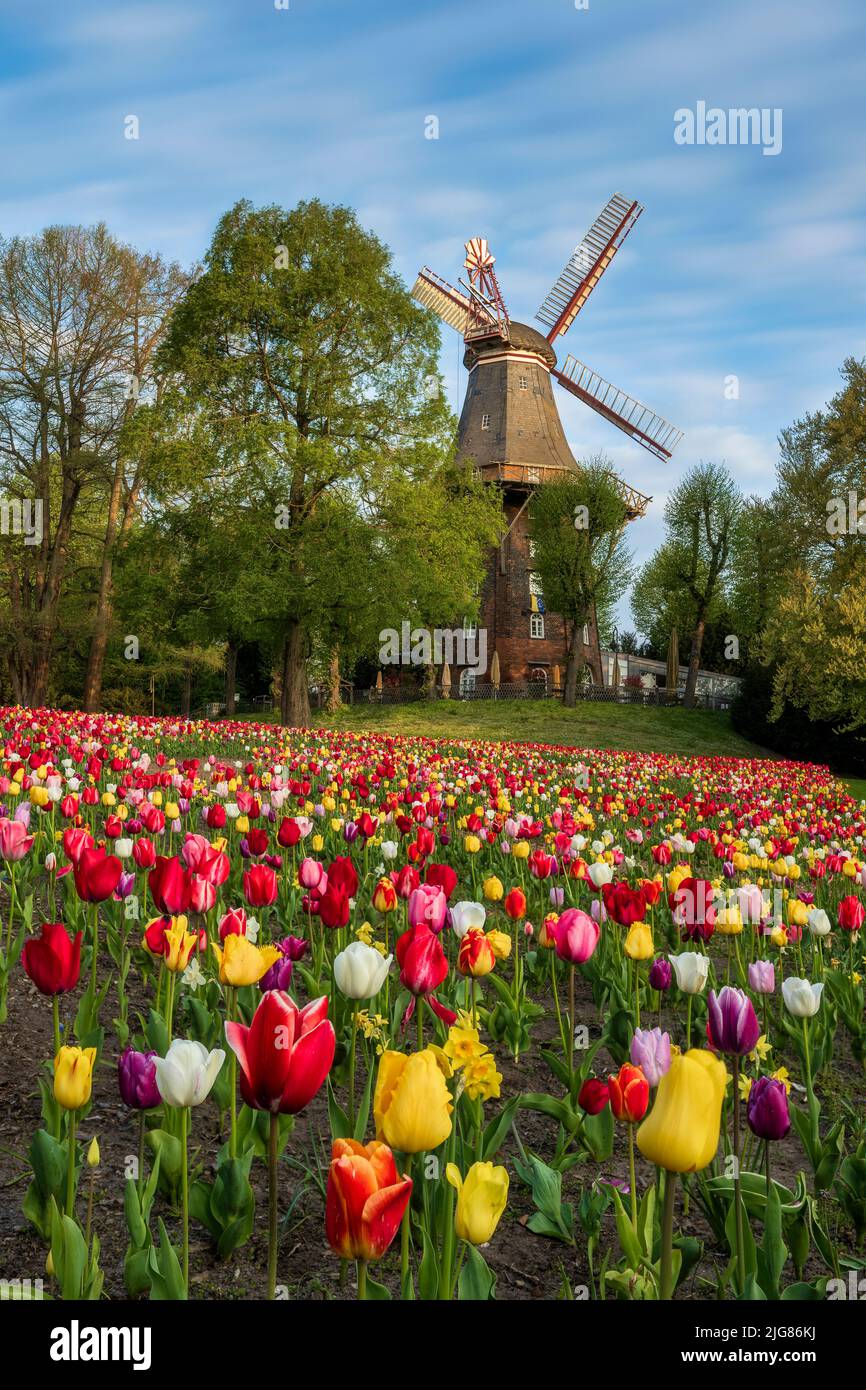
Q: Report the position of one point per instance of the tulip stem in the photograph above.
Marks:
(571, 1027)
(689, 1024)
(55, 1009)
(141, 1132)
(70, 1164)
(362, 1279)
(738, 1196)
(184, 1139)
(351, 1102)
(406, 1289)
(273, 1135)
(94, 936)
(668, 1237)
(233, 1078)
(631, 1178)
(419, 1018)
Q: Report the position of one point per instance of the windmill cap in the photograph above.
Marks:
(520, 337)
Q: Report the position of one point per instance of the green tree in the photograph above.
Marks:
(688, 577)
(576, 527)
(303, 348)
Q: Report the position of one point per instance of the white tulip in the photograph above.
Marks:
(466, 915)
(818, 922)
(691, 970)
(123, 848)
(360, 971)
(600, 874)
(390, 849)
(802, 999)
(186, 1074)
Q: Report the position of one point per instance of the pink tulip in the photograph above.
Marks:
(576, 936)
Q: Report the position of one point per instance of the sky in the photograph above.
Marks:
(744, 264)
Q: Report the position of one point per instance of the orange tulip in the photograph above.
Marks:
(366, 1199)
(476, 956)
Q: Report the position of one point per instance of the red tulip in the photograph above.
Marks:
(342, 875)
(443, 876)
(202, 895)
(285, 1054)
(75, 842)
(334, 906)
(216, 816)
(260, 886)
(170, 886)
(624, 904)
(515, 904)
(629, 1093)
(289, 832)
(423, 967)
(52, 961)
(851, 913)
(97, 874)
(234, 923)
(144, 853)
(593, 1096)
(366, 1199)
(257, 840)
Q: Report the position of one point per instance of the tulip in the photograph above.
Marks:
(801, 998)
(260, 886)
(593, 1096)
(818, 922)
(360, 971)
(639, 942)
(279, 976)
(691, 971)
(767, 1112)
(241, 963)
(136, 1075)
(170, 886)
(342, 874)
(96, 875)
(427, 905)
(851, 913)
(481, 1200)
(624, 904)
(365, 1202)
(311, 873)
(465, 915)
(285, 1054)
(73, 1076)
(600, 874)
(762, 976)
(651, 1051)
(52, 961)
(515, 904)
(15, 843)
(234, 923)
(384, 896)
(178, 945)
(499, 942)
(732, 1022)
(423, 968)
(629, 1093)
(475, 957)
(443, 876)
(411, 1104)
(185, 1077)
(660, 974)
(576, 936)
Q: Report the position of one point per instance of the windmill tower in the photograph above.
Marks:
(511, 432)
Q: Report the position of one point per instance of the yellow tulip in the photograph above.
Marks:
(676, 876)
(412, 1104)
(93, 1153)
(471, 844)
(180, 943)
(500, 943)
(493, 889)
(172, 810)
(73, 1076)
(39, 796)
(481, 1199)
(242, 963)
(242, 824)
(681, 1132)
(639, 942)
(318, 843)
(520, 849)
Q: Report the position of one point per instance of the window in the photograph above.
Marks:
(523, 383)
(539, 677)
(586, 634)
(536, 624)
(485, 422)
(467, 682)
(533, 475)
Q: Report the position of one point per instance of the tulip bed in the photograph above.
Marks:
(324, 1015)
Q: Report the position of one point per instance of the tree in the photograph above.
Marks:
(576, 527)
(303, 348)
(687, 578)
(68, 326)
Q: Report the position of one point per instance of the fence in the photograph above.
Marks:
(538, 690)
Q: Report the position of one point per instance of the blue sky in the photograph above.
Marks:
(742, 264)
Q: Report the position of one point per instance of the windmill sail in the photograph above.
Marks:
(587, 264)
(453, 306)
(651, 430)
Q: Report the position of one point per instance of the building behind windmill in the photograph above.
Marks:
(510, 431)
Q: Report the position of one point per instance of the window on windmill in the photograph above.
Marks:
(586, 634)
(523, 383)
(536, 624)
(485, 422)
(533, 475)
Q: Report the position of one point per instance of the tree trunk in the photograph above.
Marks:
(334, 701)
(694, 662)
(569, 696)
(231, 676)
(294, 695)
(102, 616)
(186, 693)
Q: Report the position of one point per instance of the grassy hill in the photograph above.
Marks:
(643, 728)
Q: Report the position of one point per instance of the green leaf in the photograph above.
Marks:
(477, 1280)
(164, 1269)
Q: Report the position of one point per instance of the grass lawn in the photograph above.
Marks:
(647, 729)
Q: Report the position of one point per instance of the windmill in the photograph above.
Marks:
(510, 426)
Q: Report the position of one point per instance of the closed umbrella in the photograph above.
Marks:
(494, 674)
(446, 682)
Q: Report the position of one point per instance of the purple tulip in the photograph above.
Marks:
(767, 1109)
(350, 832)
(557, 897)
(280, 974)
(660, 974)
(136, 1073)
(125, 885)
(651, 1051)
(22, 813)
(732, 1022)
(762, 976)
